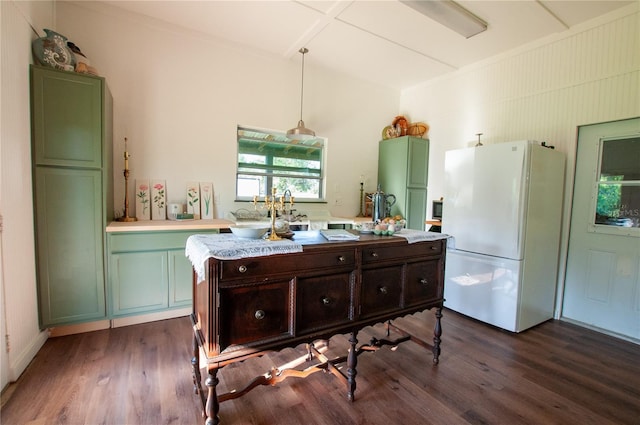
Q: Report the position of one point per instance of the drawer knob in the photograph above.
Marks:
(424, 281)
(383, 290)
(326, 300)
(342, 259)
(260, 314)
(242, 268)
(433, 248)
(374, 254)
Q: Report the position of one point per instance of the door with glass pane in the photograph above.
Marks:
(602, 284)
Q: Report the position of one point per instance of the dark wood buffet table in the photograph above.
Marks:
(245, 307)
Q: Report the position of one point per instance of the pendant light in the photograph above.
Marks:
(301, 132)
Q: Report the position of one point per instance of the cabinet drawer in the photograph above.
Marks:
(255, 313)
(423, 282)
(381, 290)
(323, 301)
(423, 249)
(289, 264)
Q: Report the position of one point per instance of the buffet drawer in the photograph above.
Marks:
(285, 264)
(423, 282)
(378, 254)
(381, 290)
(255, 313)
(323, 301)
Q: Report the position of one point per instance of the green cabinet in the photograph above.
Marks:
(72, 193)
(148, 271)
(403, 168)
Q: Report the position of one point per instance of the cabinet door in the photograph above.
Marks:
(418, 163)
(416, 208)
(180, 276)
(139, 282)
(69, 245)
(67, 118)
(392, 171)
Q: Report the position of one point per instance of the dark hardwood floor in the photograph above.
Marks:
(555, 373)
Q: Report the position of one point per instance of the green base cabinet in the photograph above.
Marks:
(72, 193)
(403, 169)
(148, 271)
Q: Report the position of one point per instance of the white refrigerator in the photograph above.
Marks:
(503, 207)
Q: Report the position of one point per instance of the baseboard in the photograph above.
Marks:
(151, 317)
(23, 359)
(79, 328)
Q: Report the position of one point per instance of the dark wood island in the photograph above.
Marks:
(245, 307)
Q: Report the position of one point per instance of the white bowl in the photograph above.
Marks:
(249, 231)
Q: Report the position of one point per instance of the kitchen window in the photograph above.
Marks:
(268, 159)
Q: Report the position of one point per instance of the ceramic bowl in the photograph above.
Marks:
(249, 231)
(364, 226)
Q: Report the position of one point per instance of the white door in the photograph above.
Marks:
(602, 282)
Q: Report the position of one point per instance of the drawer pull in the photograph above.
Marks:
(242, 269)
(374, 254)
(326, 300)
(260, 314)
(341, 259)
(433, 248)
(383, 290)
(424, 281)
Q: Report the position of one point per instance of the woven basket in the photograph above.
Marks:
(417, 129)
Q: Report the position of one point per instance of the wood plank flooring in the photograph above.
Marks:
(555, 373)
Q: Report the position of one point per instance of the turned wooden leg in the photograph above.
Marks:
(352, 362)
(213, 408)
(437, 333)
(195, 364)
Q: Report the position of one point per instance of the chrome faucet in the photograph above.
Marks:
(284, 196)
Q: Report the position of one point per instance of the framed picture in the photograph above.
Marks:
(206, 200)
(143, 199)
(193, 199)
(158, 200)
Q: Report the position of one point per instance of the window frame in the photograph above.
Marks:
(603, 228)
(276, 137)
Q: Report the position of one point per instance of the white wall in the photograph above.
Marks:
(541, 92)
(20, 319)
(178, 96)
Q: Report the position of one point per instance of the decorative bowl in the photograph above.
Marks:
(364, 226)
(399, 225)
(249, 231)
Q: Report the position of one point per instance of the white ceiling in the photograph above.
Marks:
(382, 41)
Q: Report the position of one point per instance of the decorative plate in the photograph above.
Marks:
(389, 132)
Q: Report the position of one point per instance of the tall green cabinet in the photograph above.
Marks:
(403, 169)
(71, 127)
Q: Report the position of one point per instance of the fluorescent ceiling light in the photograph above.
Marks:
(449, 14)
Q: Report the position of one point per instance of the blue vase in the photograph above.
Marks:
(52, 51)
